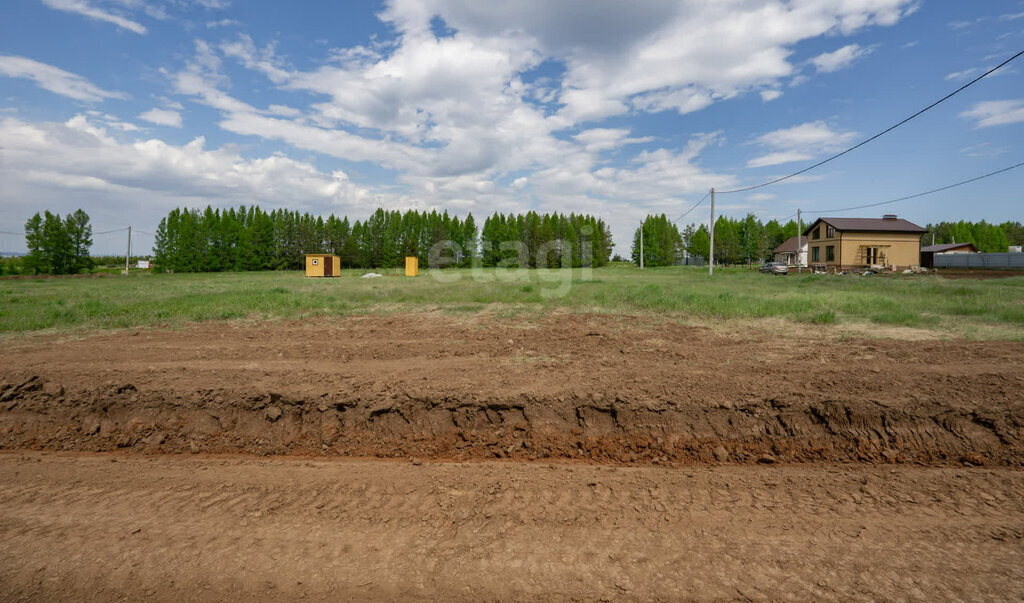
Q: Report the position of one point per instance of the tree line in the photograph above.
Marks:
(248, 238)
(57, 246)
(749, 240)
(746, 240)
(555, 240)
(986, 237)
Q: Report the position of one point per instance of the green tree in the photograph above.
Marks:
(35, 261)
(79, 234)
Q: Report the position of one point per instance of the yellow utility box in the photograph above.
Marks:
(412, 265)
(322, 264)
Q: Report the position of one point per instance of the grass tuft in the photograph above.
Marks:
(993, 307)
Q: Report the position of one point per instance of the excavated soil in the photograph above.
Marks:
(78, 527)
(607, 389)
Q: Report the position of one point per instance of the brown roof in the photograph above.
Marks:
(789, 245)
(947, 247)
(868, 225)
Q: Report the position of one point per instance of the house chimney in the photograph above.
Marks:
(889, 217)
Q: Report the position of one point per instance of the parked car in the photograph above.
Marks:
(775, 268)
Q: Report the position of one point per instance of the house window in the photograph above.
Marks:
(817, 233)
(815, 254)
(830, 253)
(315, 261)
(830, 232)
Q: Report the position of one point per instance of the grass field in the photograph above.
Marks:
(965, 308)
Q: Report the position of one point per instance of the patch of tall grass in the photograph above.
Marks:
(927, 302)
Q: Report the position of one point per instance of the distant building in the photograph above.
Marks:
(878, 243)
(928, 252)
(787, 252)
(322, 264)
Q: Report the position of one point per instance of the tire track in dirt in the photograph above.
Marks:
(81, 527)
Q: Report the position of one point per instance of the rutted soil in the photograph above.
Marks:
(610, 389)
(77, 527)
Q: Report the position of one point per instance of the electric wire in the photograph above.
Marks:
(685, 213)
(110, 231)
(883, 132)
(934, 190)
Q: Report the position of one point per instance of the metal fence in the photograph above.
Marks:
(979, 260)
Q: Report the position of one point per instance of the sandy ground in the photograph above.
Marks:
(567, 457)
(609, 389)
(101, 527)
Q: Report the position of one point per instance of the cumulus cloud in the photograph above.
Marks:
(995, 113)
(162, 117)
(464, 120)
(54, 79)
(839, 59)
(84, 156)
(85, 9)
(683, 52)
(799, 143)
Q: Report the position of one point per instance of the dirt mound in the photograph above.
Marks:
(599, 388)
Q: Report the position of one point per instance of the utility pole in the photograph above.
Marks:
(933, 237)
(641, 244)
(799, 227)
(128, 256)
(711, 231)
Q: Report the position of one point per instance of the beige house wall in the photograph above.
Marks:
(901, 249)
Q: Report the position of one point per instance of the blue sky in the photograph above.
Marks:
(128, 108)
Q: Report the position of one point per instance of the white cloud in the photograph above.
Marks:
(60, 164)
(799, 143)
(464, 117)
(839, 59)
(1011, 16)
(985, 149)
(996, 113)
(162, 117)
(962, 75)
(603, 139)
(779, 157)
(679, 51)
(222, 23)
(54, 79)
(83, 8)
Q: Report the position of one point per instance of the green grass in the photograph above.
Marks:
(972, 308)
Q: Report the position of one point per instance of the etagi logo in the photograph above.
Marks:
(552, 263)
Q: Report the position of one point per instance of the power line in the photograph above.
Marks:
(110, 231)
(883, 132)
(684, 214)
(143, 232)
(934, 190)
(17, 234)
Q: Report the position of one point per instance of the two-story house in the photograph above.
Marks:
(850, 243)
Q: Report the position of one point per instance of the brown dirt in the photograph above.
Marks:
(979, 273)
(610, 389)
(83, 528)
